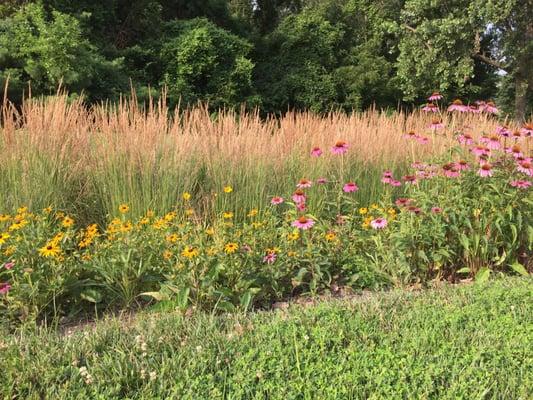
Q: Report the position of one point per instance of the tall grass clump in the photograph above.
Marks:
(88, 160)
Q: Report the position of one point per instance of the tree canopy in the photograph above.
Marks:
(276, 54)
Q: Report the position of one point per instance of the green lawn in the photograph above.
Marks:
(469, 342)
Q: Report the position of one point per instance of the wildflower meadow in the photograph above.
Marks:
(118, 207)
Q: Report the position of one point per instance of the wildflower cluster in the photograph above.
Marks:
(447, 217)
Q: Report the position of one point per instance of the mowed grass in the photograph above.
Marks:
(466, 342)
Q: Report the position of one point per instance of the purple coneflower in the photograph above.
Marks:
(299, 196)
(402, 202)
(378, 223)
(480, 150)
(521, 184)
(410, 179)
(9, 265)
(303, 223)
(457, 105)
(395, 183)
(422, 139)
(450, 170)
(503, 131)
(491, 108)
(4, 287)
(525, 167)
(414, 209)
(340, 147)
(270, 258)
(304, 183)
(462, 165)
(276, 200)
(316, 152)
(485, 170)
(465, 138)
(435, 96)
(350, 187)
(430, 107)
(527, 130)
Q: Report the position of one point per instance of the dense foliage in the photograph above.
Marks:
(277, 55)
(465, 342)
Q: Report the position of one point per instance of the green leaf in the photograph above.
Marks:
(519, 268)
(464, 270)
(91, 295)
(246, 300)
(159, 296)
(483, 275)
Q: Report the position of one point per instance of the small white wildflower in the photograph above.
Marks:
(153, 375)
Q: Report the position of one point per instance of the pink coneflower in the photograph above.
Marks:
(527, 130)
(350, 187)
(503, 131)
(450, 170)
(485, 170)
(9, 265)
(422, 139)
(515, 150)
(301, 206)
(462, 165)
(480, 150)
(430, 107)
(521, 184)
(304, 183)
(276, 200)
(435, 96)
(321, 181)
(340, 147)
(490, 107)
(517, 135)
(387, 177)
(525, 167)
(395, 183)
(316, 152)
(410, 179)
(425, 174)
(378, 223)
(419, 165)
(410, 135)
(414, 209)
(473, 109)
(457, 105)
(436, 210)
(493, 142)
(465, 138)
(4, 287)
(402, 202)
(270, 258)
(303, 223)
(299, 196)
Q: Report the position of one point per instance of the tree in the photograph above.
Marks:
(202, 62)
(442, 40)
(334, 54)
(49, 51)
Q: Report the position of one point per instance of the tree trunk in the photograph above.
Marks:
(520, 98)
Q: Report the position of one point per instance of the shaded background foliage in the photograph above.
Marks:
(275, 55)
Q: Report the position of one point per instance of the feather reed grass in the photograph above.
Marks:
(88, 160)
